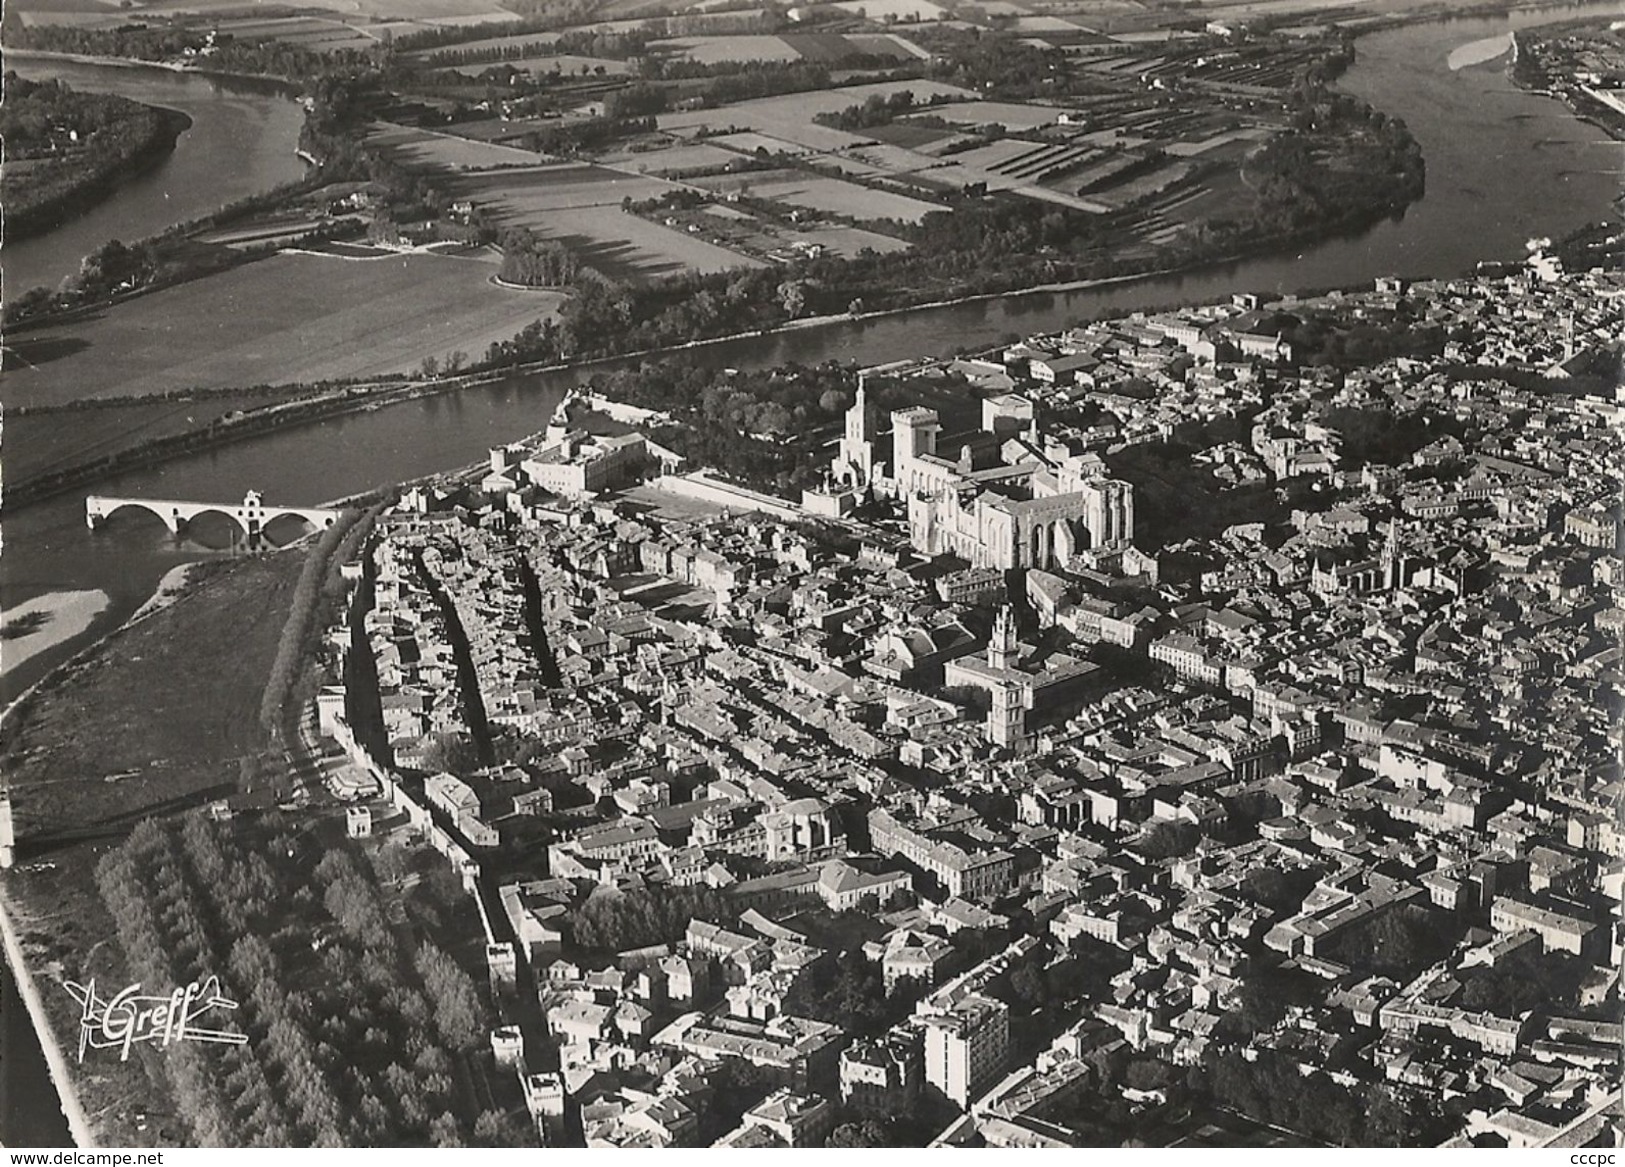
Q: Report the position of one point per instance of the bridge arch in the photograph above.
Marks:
(223, 512)
(289, 526)
(251, 518)
(127, 507)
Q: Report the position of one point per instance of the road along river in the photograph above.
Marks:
(1503, 166)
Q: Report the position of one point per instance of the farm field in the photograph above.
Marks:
(1011, 115)
(1006, 165)
(909, 136)
(287, 319)
(1087, 10)
(1145, 185)
(710, 50)
(833, 196)
(1105, 171)
(438, 12)
(322, 24)
(502, 132)
(827, 47)
(564, 64)
(758, 236)
(695, 23)
(995, 154)
(86, 20)
(269, 229)
(790, 117)
(626, 247)
(909, 10)
(1025, 161)
(1041, 24)
(306, 32)
(520, 197)
(676, 159)
(751, 142)
(850, 241)
(425, 148)
(1188, 149)
(874, 160)
(888, 44)
(783, 125)
(576, 204)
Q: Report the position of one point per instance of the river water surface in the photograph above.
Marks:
(1502, 166)
(241, 142)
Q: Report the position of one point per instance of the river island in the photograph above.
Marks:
(839, 710)
(794, 729)
(701, 201)
(65, 150)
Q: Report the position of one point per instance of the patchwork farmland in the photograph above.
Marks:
(1101, 155)
(561, 131)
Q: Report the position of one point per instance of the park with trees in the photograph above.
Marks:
(361, 1032)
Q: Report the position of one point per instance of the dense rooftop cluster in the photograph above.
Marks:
(1304, 820)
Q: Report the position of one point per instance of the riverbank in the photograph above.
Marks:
(285, 86)
(240, 145)
(175, 581)
(56, 1061)
(173, 584)
(155, 717)
(13, 54)
(1401, 72)
(1529, 71)
(1388, 22)
(71, 613)
(309, 408)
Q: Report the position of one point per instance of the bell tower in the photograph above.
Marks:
(1393, 572)
(1001, 646)
(1007, 716)
(857, 454)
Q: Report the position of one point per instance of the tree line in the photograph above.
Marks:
(169, 42)
(351, 1039)
(1267, 1086)
(878, 109)
(535, 262)
(315, 597)
(618, 921)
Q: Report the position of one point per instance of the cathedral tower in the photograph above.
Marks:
(1001, 647)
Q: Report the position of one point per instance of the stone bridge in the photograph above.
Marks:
(251, 515)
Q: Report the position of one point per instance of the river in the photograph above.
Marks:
(241, 142)
(1503, 166)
